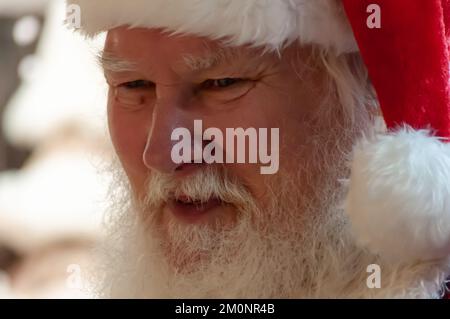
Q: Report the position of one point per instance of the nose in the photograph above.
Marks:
(167, 116)
(156, 156)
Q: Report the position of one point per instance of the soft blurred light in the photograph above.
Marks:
(51, 209)
(26, 30)
(27, 68)
(63, 84)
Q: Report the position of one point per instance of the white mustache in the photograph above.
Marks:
(211, 182)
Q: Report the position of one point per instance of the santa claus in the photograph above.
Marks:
(356, 209)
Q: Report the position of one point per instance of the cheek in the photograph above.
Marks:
(291, 114)
(259, 109)
(128, 132)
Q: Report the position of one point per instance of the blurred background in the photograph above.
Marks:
(53, 145)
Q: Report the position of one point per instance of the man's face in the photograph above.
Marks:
(225, 228)
(167, 82)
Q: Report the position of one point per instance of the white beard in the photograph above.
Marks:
(299, 246)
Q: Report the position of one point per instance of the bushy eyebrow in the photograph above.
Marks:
(112, 63)
(210, 60)
(239, 62)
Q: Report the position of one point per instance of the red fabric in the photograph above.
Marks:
(407, 59)
(446, 10)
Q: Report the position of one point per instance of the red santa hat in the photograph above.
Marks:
(399, 196)
(399, 199)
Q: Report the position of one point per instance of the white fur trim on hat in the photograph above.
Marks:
(270, 23)
(399, 197)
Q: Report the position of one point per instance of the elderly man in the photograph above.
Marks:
(214, 228)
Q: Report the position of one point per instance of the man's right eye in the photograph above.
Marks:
(138, 84)
(134, 93)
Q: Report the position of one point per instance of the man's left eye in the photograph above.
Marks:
(220, 83)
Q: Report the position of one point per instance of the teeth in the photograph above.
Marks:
(187, 200)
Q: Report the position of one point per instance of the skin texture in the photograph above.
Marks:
(176, 86)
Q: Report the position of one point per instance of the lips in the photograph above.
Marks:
(191, 209)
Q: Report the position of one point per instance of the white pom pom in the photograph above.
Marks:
(399, 196)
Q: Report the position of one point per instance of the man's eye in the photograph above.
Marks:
(138, 84)
(220, 83)
(135, 93)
